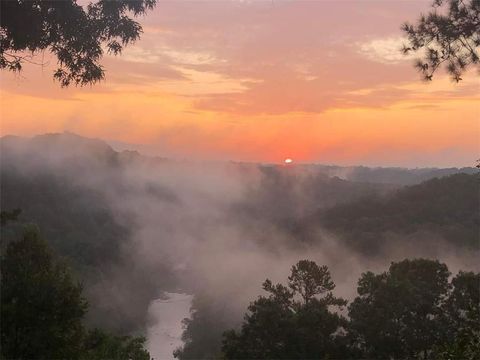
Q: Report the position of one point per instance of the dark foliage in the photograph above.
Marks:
(99, 345)
(42, 307)
(204, 329)
(293, 322)
(78, 222)
(461, 316)
(449, 34)
(398, 313)
(9, 216)
(76, 35)
(445, 208)
(411, 311)
(42, 310)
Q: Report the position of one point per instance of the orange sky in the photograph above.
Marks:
(317, 81)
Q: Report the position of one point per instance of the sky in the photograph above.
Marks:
(261, 81)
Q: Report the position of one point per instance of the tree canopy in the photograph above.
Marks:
(449, 34)
(411, 311)
(42, 307)
(293, 322)
(78, 36)
(398, 313)
(42, 310)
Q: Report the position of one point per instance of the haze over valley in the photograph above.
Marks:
(138, 228)
(239, 180)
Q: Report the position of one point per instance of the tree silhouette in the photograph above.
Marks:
(8, 216)
(41, 305)
(461, 318)
(398, 313)
(76, 35)
(308, 279)
(42, 309)
(278, 326)
(449, 34)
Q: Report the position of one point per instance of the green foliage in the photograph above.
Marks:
(443, 208)
(74, 34)
(449, 34)
(203, 330)
(398, 313)
(42, 307)
(100, 345)
(411, 311)
(463, 305)
(78, 219)
(8, 216)
(308, 279)
(279, 326)
(42, 310)
(461, 313)
(85, 232)
(465, 346)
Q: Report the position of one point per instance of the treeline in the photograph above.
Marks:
(66, 184)
(43, 309)
(445, 208)
(75, 216)
(411, 311)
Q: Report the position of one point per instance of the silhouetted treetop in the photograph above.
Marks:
(277, 326)
(7, 216)
(308, 279)
(41, 305)
(449, 34)
(76, 35)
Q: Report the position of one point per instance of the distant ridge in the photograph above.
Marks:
(76, 147)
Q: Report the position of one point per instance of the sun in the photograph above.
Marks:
(288, 161)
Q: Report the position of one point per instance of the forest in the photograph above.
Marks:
(172, 190)
(379, 269)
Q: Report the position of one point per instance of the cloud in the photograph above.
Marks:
(191, 57)
(165, 54)
(201, 83)
(384, 50)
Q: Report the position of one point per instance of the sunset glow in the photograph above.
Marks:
(249, 81)
(239, 179)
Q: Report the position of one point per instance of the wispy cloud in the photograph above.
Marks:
(384, 50)
(166, 54)
(202, 83)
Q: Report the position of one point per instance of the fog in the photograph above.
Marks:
(215, 230)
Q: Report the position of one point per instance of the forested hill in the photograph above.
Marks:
(62, 184)
(445, 208)
(128, 223)
(94, 152)
(391, 175)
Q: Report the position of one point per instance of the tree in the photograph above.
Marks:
(99, 345)
(42, 310)
(308, 279)
(397, 314)
(77, 36)
(202, 333)
(281, 327)
(462, 319)
(8, 216)
(449, 34)
(42, 307)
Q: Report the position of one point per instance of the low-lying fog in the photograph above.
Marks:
(215, 229)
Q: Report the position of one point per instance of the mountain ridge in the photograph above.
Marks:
(71, 145)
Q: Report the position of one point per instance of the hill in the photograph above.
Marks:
(446, 208)
(133, 227)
